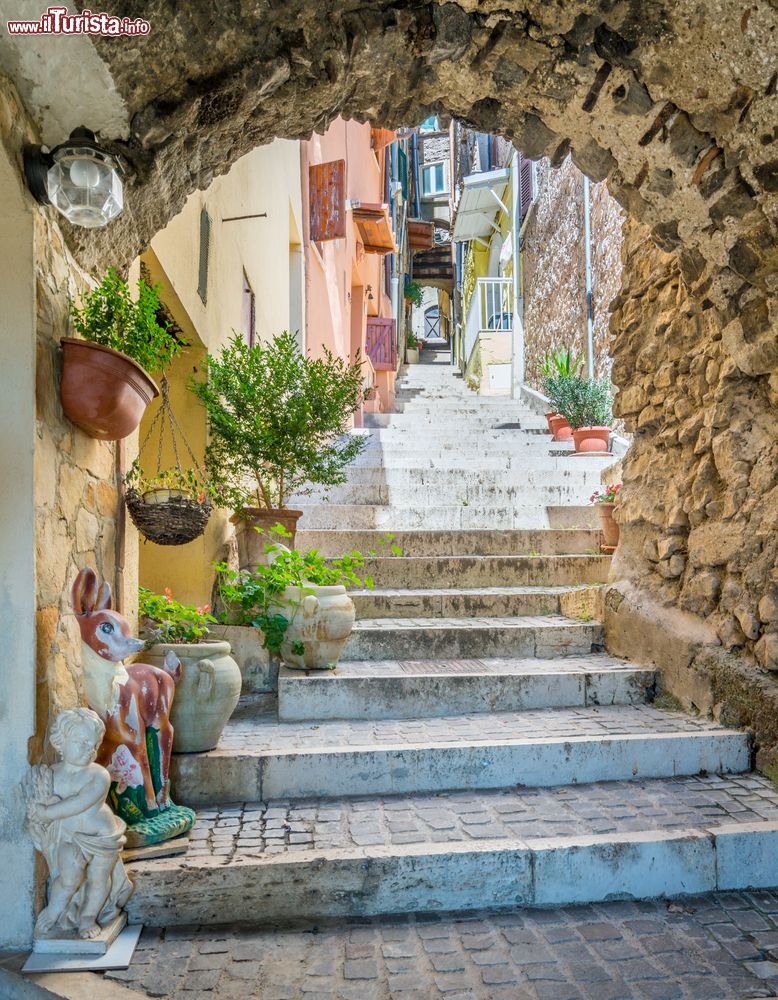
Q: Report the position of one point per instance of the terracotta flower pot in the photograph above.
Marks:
(103, 392)
(252, 533)
(206, 694)
(560, 428)
(319, 626)
(610, 529)
(591, 438)
(549, 415)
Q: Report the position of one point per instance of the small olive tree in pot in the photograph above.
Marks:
(277, 421)
(586, 405)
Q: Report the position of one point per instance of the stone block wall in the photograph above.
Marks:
(554, 267)
(699, 511)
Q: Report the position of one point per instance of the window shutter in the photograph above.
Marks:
(205, 247)
(402, 171)
(525, 178)
(327, 200)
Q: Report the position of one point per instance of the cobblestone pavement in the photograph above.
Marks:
(254, 728)
(721, 945)
(251, 830)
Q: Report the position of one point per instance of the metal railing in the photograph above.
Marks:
(490, 310)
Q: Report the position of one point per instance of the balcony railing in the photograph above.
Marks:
(490, 311)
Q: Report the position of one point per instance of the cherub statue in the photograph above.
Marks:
(77, 832)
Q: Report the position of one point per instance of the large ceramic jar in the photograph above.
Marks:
(206, 693)
(320, 622)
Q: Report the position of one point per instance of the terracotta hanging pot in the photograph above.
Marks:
(609, 527)
(103, 392)
(560, 428)
(252, 532)
(591, 439)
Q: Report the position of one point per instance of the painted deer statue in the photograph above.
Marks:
(134, 703)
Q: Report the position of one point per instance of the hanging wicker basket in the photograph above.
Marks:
(168, 515)
(175, 521)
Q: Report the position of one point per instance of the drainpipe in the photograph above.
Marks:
(517, 353)
(588, 255)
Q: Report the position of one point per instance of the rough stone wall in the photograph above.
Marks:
(554, 267)
(699, 391)
(75, 484)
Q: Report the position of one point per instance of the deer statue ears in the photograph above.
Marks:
(86, 596)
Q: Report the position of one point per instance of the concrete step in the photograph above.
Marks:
(470, 638)
(487, 571)
(338, 858)
(560, 541)
(443, 516)
(259, 757)
(393, 689)
(459, 490)
(464, 420)
(376, 460)
(520, 477)
(469, 602)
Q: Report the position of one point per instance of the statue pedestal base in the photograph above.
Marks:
(118, 956)
(74, 945)
(164, 826)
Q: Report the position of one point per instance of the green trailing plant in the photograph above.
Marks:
(277, 421)
(583, 402)
(252, 598)
(411, 342)
(192, 482)
(413, 292)
(164, 619)
(111, 317)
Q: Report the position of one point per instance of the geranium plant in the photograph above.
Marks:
(277, 421)
(111, 317)
(164, 619)
(608, 494)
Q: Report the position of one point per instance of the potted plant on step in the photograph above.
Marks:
(299, 603)
(209, 688)
(558, 365)
(605, 500)
(411, 350)
(277, 421)
(106, 385)
(586, 405)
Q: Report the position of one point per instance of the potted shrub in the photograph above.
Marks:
(209, 688)
(586, 405)
(559, 364)
(298, 601)
(106, 385)
(413, 292)
(605, 500)
(411, 350)
(277, 423)
(169, 508)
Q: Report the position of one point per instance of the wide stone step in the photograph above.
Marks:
(472, 602)
(460, 490)
(462, 418)
(519, 477)
(495, 542)
(408, 689)
(329, 516)
(259, 757)
(375, 461)
(467, 638)
(487, 571)
(280, 862)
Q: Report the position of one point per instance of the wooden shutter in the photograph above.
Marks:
(525, 178)
(205, 248)
(327, 200)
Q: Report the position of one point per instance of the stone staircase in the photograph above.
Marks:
(476, 747)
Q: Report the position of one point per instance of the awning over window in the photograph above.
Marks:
(374, 227)
(483, 195)
(421, 234)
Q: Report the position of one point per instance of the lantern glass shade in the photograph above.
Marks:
(84, 184)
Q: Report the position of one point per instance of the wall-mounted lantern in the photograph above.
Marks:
(79, 178)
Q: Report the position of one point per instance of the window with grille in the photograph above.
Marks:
(205, 247)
